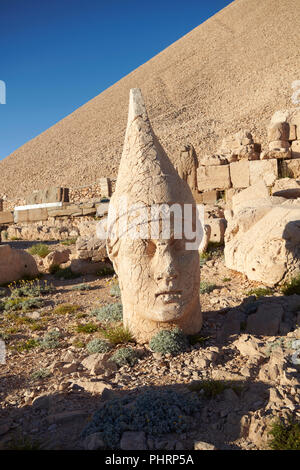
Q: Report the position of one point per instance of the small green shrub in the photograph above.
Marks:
(118, 335)
(39, 249)
(155, 412)
(212, 388)
(260, 292)
(285, 436)
(82, 287)
(195, 339)
(98, 345)
(125, 357)
(169, 342)
(23, 442)
(64, 273)
(109, 313)
(115, 290)
(30, 288)
(26, 345)
(69, 241)
(64, 309)
(87, 328)
(206, 287)
(204, 257)
(22, 303)
(40, 374)
(78, 344)
(2, 292)
(50, 340)
(226, 279)
(292, 287)
(105, 271)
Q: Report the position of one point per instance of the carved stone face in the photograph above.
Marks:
(159, 279)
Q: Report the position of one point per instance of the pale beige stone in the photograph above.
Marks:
(287, 188)
(296, 149)
(263, 241)
(240, 174)
(186, 165)
(15, 264)
(213, 177)
(57, 257)
(293, 132)
(159, 278)
(256, 194)
(263, 170)
(210, 197)
(278, 131)
(279, 144)
(218, 227)
(213, 160)
(205, 239)
(291, 168)
(105, 187)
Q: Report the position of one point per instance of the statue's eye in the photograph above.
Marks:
(150, 248)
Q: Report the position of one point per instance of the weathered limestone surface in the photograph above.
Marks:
(52, 194)
(263, 170)
(296, 149)
(262, 239)
(240, 174)
(287, 188)
(56, 258)
(159, 278)
(292, 168)
(186, 165)
(15, 264)
(6, 217)
(213, 177)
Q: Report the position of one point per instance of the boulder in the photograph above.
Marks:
(93, 249)
(56, 258)
(262, 238)
(16, 264)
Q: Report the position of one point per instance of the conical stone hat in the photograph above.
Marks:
(146, 175)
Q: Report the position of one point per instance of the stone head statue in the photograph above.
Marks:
(159, 275)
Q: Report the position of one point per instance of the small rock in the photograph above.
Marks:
(94, 442)
(132, 440)
(200, 445)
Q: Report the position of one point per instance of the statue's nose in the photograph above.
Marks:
(166, 268)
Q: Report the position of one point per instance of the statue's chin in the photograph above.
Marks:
(165, 313)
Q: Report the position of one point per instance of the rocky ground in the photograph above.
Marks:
(245, 351)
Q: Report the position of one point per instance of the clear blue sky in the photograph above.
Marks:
(58, 54)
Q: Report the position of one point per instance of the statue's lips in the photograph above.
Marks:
(169, 296)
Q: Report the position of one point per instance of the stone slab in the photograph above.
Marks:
(213, 177)
(240, 174)
(6, 217)
(263, 170)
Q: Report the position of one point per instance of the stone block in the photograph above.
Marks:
(105, 187)
(51, 194)
(6, 217)
(263, 170)
(213, 177)
(291, 168)
(240, 174)
(31, 215)
(210, 197)
(278, 131)
(279, 144)
(251, 196)
(296, 149)
(218, 227)
(293, 132)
